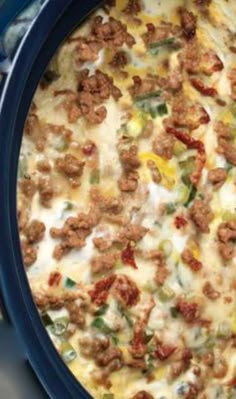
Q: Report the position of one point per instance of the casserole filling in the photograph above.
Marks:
(127, 196)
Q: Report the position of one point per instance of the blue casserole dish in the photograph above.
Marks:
(55, 21)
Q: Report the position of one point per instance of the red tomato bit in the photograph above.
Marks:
(101, 289)
(54, 279)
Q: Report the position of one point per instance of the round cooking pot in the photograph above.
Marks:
(55, 21)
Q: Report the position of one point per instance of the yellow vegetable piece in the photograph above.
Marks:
(136, 124)
(233, 323)
(160, 373)
(193, 248)
(166, 170)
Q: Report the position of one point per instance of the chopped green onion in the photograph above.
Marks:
(179, 148)
(224, 330)
(59, 326)
(67, 352)
(148, 335)
(68, 206)
(228, 167)
(165, 293)
(69, 283)
(170, 208)
(61, 144)
(188, 167)
(22, 167)
(183, 194)
(192, 195)
(169, 41)
(233, 108)
(162, 109)
(102, 310)
(150, 365)
(46, 319)
(95, 177)
(100, 324)
(174, 312)
(227, 216)
(126, 316)
(166, 247)
(148, 96)
(114, 339)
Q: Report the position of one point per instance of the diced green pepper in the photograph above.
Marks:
(108, 396)
(69, 283)
(67, 352)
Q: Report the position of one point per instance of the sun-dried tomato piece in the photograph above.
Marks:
(101, 289)
(189, 311)
(127, 256)
(204, 90)
(54, 279)
(126, 290)
(191, 143)
(163, 352)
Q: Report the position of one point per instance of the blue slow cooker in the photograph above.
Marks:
(54, 22)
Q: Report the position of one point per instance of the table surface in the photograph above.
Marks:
(17, 380)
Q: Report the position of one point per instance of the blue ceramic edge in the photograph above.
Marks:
(54, 22)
